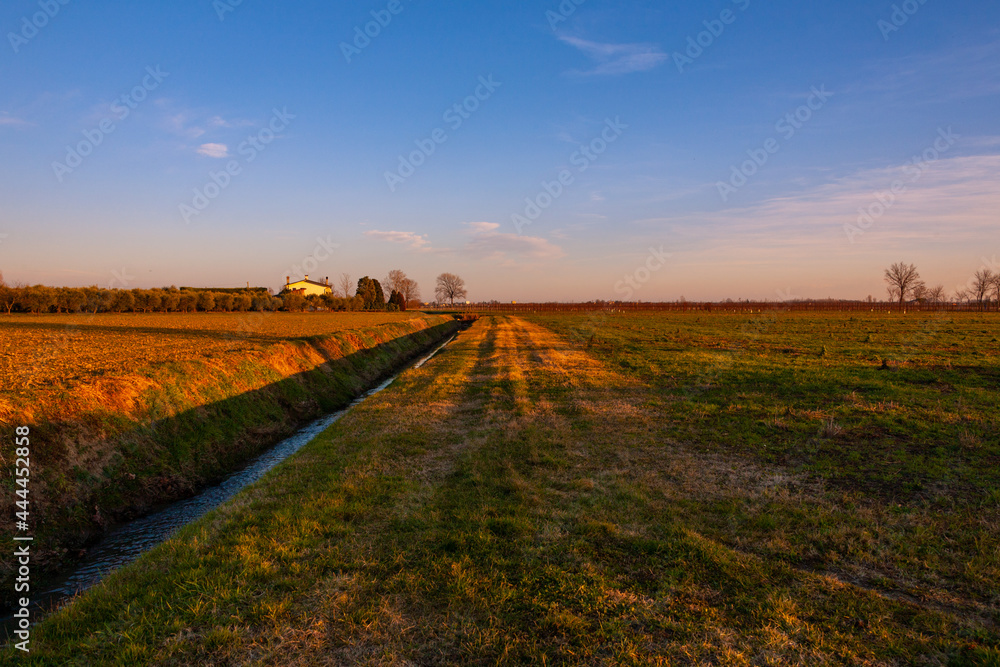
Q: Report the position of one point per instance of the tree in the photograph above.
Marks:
(936, 294)
(397, 302)
(38, 299)
(206, 301)
(397, 281)
(93, 298)
(372, 296)
(410, 291)
(225, 301)
(903, 280)
(8, 295)
(243, 302)
(171, 300)
(394, 281)
(982, 284)
(294, 300)
(450, 287)
(188, 301)
(261, 302)
(996, 289)
(123, 301)
(345, 285)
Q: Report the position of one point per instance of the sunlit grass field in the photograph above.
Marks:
(887, 426)
(621, 490)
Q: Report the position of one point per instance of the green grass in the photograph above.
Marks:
(894, 470)
(520, 500)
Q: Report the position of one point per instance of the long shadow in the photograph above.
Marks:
(172, 458)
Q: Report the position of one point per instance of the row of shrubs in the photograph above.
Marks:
(43, 299)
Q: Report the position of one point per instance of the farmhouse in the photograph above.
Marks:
(308, 287)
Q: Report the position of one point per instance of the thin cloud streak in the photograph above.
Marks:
(488, 243)
(617, 59)
(954, 202)
(11, 121)
(484, 243)
(414, 241)
(217, 151)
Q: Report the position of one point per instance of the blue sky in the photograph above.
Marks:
(255, 140)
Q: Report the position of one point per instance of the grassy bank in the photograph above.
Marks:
(109, 447)
(514, 501)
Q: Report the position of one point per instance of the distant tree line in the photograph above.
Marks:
(369, 294)
(44, 299)
(905, 286)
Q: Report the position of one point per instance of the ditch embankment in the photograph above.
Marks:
(122, 446)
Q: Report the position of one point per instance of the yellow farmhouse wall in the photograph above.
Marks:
(309, 288)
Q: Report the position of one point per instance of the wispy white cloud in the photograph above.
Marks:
(214, 150)
(183, 125)
(486, 242)
(414, 241)
(11, 121)
(943, 75)
(615, 59)
(954, 203)
(193, 124)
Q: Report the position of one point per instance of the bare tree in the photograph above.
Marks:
(936, 294)
(902, 280)
(450, 287)
(8, 295)
(982, 284)
(410, 290)
(394, 281)
(345, 285)
(996, 289)
(397, 281)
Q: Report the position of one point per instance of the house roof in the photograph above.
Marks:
(309, 282)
